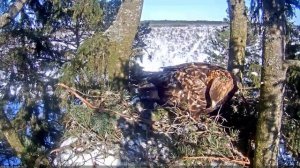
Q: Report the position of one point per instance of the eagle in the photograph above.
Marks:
(196, 88)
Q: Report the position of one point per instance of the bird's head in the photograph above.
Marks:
(222, 87)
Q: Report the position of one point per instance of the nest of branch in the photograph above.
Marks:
(91, 126)
(190, 142)
(100, 120)
(202, 142)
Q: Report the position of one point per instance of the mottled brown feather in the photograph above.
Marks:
(194, 87)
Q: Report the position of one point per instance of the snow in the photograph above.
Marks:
(72, 155)
(68, 141)
(167, 46)
(15, 90)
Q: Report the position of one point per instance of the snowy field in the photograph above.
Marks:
(166, 46)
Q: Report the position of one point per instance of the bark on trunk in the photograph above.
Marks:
(272, 88)
(10, 134)
(238, 36)
(12, 13)
(121, 34)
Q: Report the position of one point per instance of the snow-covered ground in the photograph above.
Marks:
(92, 154)
(166, 46)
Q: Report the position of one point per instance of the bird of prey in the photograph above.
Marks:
(197, 88)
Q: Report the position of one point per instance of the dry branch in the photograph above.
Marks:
(244, 162)
(12, 12)
(74, 92)
(89, 105)
(290, 63)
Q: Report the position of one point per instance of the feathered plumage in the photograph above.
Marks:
(193, 87)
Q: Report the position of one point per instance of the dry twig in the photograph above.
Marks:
(244, 162)
(74, 92)
(89, 105)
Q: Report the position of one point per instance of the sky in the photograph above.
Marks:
(214, 10)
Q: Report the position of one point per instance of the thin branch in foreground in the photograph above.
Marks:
(14, 9)
(244, 162)
(291, 63)
(74, 92)
(89, 105)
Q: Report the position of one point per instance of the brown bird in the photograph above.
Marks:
(197, 88)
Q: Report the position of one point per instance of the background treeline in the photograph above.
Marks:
(178, 23)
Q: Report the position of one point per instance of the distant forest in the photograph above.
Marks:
(179, 23)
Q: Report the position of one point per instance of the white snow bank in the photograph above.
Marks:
(167, 46)
(73, 153)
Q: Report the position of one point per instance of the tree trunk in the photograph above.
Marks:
(12, 13)
(121, 34)
(238, 36)
(272, 87)
(10, 134)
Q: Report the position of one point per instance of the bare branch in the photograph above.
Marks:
(244, 162)
(290, 63)
(74, 92)
(12, 12)
(91, 106)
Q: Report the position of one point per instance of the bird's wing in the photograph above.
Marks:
(192, 91)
